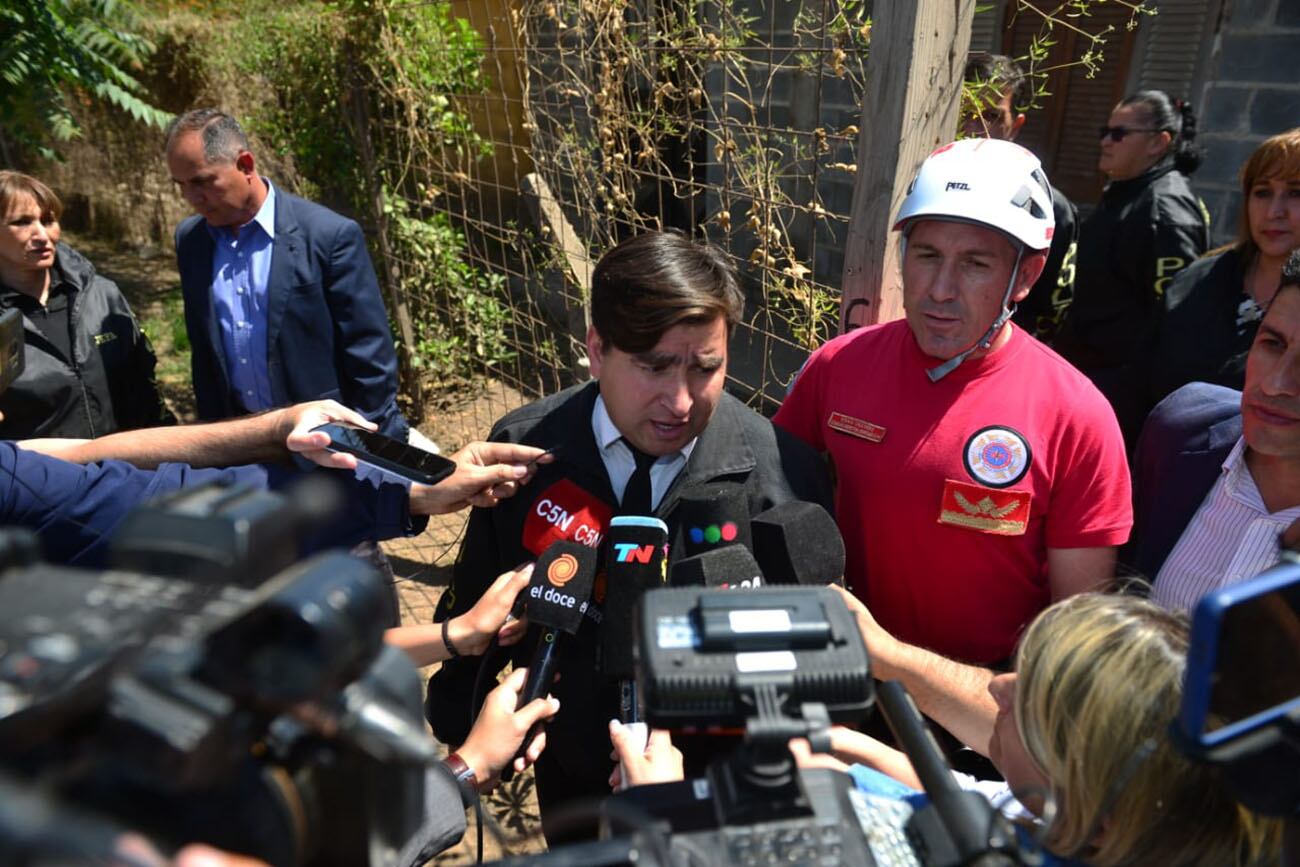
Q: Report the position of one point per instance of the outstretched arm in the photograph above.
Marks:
(953, 694)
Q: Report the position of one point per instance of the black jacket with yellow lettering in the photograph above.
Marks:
(108, 384)
(1143, 232)
(738, 445)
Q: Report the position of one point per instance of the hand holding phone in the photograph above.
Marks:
(387, 454)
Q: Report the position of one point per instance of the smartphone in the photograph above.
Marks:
(388, 455)
(1241, 666)
(12, 359)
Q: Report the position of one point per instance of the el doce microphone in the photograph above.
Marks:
(798, 542)
(635, 563)
(557, 596)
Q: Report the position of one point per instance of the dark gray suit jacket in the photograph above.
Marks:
(1179, 456)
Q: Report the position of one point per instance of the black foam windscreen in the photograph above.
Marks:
(561, 585)
(797, 542)
(635, 561)
(729, 566)
(713, 516)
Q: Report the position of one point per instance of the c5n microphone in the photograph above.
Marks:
(726, 567)
(712, 516)
(798, 542)
(564, 511)
(635, 562)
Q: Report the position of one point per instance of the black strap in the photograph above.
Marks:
(636, 496)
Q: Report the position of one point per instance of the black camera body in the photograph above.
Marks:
(199, 710)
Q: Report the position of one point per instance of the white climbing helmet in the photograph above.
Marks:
(987, 182)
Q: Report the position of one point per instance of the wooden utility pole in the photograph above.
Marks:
(914, 77)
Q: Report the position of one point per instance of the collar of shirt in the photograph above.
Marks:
(1238, 483)
(619, 464)
(263, 219)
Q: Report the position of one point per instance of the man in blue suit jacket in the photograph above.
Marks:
(281, 301)
(1216, 477)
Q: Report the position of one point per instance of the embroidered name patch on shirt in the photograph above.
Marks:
(856, 427)
(1002, 513)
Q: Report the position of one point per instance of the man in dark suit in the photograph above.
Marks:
(1216, 478)
(281, 301)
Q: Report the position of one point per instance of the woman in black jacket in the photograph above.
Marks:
(89, 370)
(1212, 309)
(1147, 227)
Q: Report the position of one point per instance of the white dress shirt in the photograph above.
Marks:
(1232, 537)
(619, 463)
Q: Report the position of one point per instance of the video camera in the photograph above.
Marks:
(205, 704)
(783, 662)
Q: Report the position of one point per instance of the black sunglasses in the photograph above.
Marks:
(1117, 133)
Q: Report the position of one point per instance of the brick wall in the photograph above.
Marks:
(1252, 92)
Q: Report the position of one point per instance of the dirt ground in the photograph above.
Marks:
(422, 564)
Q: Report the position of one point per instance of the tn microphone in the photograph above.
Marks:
(635, 561)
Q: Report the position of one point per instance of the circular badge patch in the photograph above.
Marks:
(997, 456)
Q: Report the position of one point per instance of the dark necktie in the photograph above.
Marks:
(636, 496)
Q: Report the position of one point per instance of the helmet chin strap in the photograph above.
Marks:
(1008, 309)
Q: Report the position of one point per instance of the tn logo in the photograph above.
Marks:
(957, 185)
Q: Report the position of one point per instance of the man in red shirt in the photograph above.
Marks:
(980, 477)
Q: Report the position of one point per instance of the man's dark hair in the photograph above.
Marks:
(1291, 269)
(223, 138)
(1001, 72)
(657, 280)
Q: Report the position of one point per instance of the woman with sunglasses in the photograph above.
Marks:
(1147, 227)
(1080, 735)
(89, 370)
(1213, 308)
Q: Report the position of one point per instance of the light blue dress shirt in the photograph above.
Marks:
(241, 266)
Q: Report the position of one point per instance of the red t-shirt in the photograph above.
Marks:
(950, 493)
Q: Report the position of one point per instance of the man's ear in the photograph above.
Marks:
(246, 163)
(595, 351)
(1015, 126)
(1031, 268)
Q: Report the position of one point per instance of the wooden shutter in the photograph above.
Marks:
(1063, 130)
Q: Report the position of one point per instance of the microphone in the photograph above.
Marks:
(636, 562)
(712, 516)
(726, 567)
(967, 820)
(556, 599)
(798, 542)
(565, 511)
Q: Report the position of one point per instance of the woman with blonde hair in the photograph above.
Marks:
(1081, 739)
(1213, 307)
(89, 370)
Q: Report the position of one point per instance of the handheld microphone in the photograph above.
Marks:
(636, 562)
(966, 820)
(731, 566)
(565, 511)
(557, 596)
(798, 542)
(712, 516)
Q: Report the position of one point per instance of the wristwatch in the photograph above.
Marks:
(466, 780)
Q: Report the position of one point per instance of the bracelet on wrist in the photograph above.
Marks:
(446, 639)
(466, 779)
